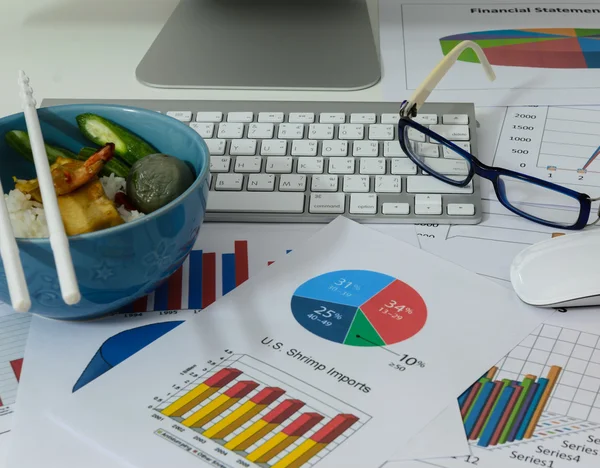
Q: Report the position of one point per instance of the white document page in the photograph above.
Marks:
(342, 364)
(541, 52)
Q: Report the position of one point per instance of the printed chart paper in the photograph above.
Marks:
(540, 405)
(284, 375)
(535, 48)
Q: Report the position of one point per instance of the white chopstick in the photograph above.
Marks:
(15, 277)
(58, 238)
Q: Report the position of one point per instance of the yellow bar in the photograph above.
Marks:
(300, 455)
(531, 376)
(272, 447)
(185, 403)
(209, 412)
(491, 373)
(552, 377)
(230, 423)
(248, 437)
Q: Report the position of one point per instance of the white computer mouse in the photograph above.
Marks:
(560, 272)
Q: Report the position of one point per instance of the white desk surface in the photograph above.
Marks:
(90, 49)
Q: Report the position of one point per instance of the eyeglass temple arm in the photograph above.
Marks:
(424, 90)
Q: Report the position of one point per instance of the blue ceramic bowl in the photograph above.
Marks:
(117, 265)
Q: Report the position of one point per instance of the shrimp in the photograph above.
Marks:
(72, 175)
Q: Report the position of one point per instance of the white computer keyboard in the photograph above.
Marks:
(313, 161)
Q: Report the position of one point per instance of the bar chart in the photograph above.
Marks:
(547, 386)
(265, 415)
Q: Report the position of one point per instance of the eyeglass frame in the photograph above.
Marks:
(409, 109)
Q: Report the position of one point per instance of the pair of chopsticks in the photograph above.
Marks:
(9, 250)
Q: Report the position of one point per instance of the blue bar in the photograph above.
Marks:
(287, 251)
(463, 397)
(523, 411)
(478, 405)
(536, 399)
(490, 427)
(195, 281)
(161, 297)
(228, 272)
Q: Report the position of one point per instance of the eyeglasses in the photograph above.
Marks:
(522, 194)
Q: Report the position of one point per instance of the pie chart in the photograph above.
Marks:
(359, 308)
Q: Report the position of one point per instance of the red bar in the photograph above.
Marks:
(469, 401)
(304, 423)
(175, 289)
(282, 411)
(334, 428)
(269, 263)
(222, 378)
(209, 273)
(486, 411)
(0, 402)
(141, 304)
(267, 395)
(503, 420)
(241, 261)
(17, 365)
(241, 389)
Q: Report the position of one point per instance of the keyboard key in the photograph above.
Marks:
(365, 148)
(209, 116)
(335, 148)
(292, 183)
(260, 130)
(447, 166)
(332, 117)
(459, 119)
(324, 183)
(273, 117)
(273, 147)
(183, 116)
(460, 209)
(220, 164)
(403, 166)
(430, 150)
(393, 149)
(259, 202)
(451, 154)
(304, 148)
(216, 146)
(362, 118)
(363, 203)
(248, 164)
(415, 135)
(388, 184)
(341, 166)
(351, 131)
(290, 130)
(228, 182)
(395, 208)
(426, 119)
(390, 118)
(334, 203)
(242, 147)
(231, 130)
(261, 182)
(204, 129)
(243, 117)
(310, 165)
(452, 132)
(356, 183)
(372, 166)
(279, 165)
(320, 131)
(381, 132)
(428, 184)
(428, 204)
(301, 117)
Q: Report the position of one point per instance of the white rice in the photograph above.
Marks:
(28, 219)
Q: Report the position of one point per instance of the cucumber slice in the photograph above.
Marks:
(19, 141)
(101, 131)
(114, 166)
